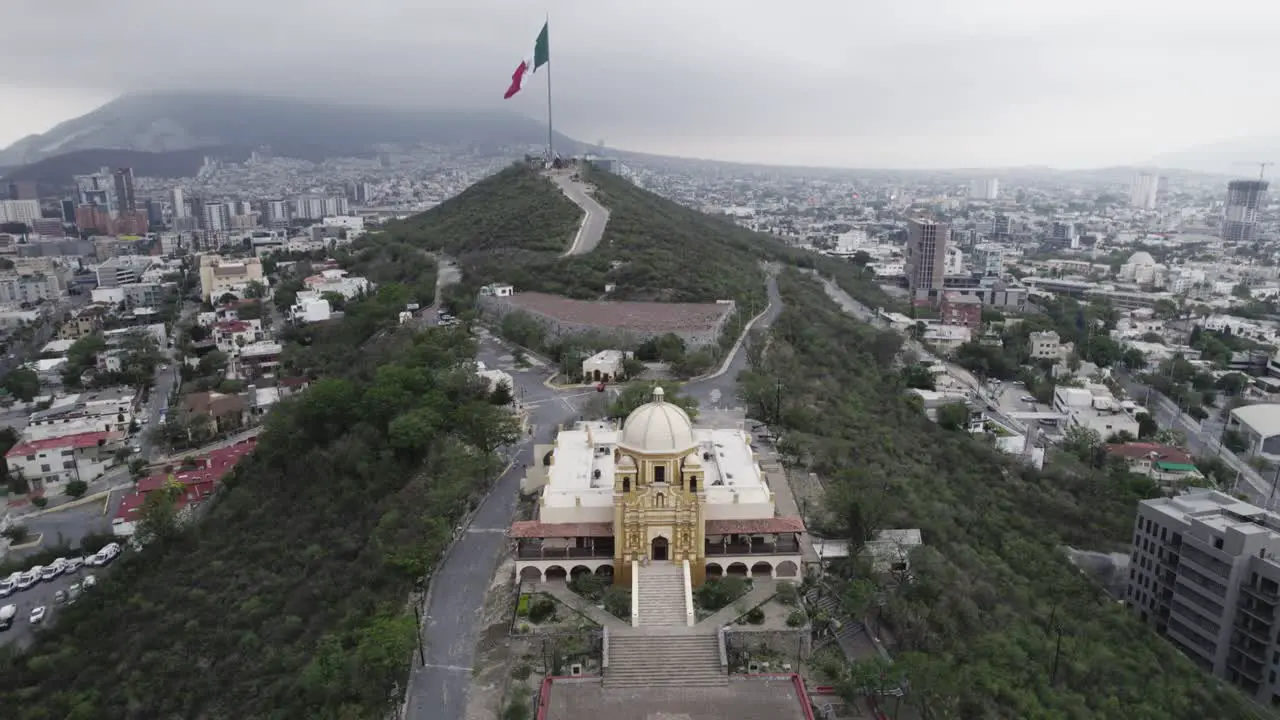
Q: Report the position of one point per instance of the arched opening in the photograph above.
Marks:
(604, 571)
(714, 571)
(626, 485)
(555, 572)
(739, 569)
(762, 569)
(659, 548)
(579, 571)
(546, 459)
(530, 574)
(787, 569)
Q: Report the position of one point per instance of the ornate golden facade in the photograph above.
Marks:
(658, 511)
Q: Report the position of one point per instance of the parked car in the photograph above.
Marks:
(51, 572)
(37, 614)
(89, 581)
(1027, 399)
(60, 597)
(73, 565)
(9, 585)
(30, 577)
(6, 616)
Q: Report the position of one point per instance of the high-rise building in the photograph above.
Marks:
(69, 210)
(1063, 232)
(155, 212)
(98, 190)
(1143, 190)
(19, 211)
(123, 179)
(217, 217)
(984, 189)
(276, 212)
(1240, 219)
(179, 203)
(926, 255)
(1205, 574)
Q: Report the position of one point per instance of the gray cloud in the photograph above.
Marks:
(835, 82)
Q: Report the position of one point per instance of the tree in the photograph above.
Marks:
(954, 416)
(502, 395)
(1085, 443)
(636, 394)
(23, 383)
(1147, 426)
(77, 488)
(255, 290)
(918, 376)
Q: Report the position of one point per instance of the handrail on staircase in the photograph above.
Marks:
(635, 594)
(688, 596)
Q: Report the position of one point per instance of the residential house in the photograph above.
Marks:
(49, 464)
(259, 359)
(109, 410)
(197, 482)
(232, 335)
(1167, 465)
(606, 366)
(226, 412)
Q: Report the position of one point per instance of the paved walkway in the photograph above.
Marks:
(595, 215)
(559, 590)
(761, 590)
(784, 500)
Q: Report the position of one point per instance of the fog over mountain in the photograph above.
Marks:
(927, 84)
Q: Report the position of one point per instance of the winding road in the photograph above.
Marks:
(595, 216)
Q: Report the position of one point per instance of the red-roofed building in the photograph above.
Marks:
(49, 464)
(198, 481)
(1165, 464)
(231, 335)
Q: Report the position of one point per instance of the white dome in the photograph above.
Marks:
(1141, 258)
(658, 427)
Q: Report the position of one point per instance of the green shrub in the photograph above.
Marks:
(755, 616)
(796, 618)
(721, 592)
(541, 609)
(517, 709)
(77, 488)
(522, 606)
(522, 671)
(617, 601)
(787, 594)
(589, 586)
(40, 501)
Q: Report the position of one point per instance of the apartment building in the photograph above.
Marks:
(123, 270)
(219, 276)
(1203, 572)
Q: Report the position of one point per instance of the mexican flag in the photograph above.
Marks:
(541, 56)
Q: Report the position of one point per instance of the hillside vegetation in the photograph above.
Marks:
(290, 597)
(991, 597)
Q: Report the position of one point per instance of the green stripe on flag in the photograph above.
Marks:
(542, 49)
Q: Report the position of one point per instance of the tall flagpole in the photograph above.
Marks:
(551, 152)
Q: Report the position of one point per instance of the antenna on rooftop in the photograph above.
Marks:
(1262, 167)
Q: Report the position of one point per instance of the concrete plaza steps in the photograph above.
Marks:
(662, 597)
(664, 660)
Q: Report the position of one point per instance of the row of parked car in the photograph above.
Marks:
(62, 566)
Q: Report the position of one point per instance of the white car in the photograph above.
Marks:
(1027, 399)
(88, 582)
(37, 614)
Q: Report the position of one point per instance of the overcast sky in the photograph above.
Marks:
(856, 83)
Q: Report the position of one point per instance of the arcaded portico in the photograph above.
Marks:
(658, 490)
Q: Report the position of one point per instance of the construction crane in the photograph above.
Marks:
(1262, 167)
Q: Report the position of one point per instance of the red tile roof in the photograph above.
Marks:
(1139, 451)
(233, 326)
(755, 527)
(198, 481)
(535, 529)
(75, 442)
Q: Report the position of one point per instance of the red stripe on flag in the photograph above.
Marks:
(516, 78)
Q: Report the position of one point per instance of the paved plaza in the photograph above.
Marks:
(741, 699)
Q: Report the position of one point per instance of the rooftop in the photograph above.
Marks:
(656, 318)
(1264, 418)
(75, 442)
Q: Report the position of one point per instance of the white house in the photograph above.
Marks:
(604, 366)
(310, 307)
(337, 281)
(47, 465)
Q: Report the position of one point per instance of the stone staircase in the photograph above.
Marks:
(849, 628)
(664, 660)
(662, 599)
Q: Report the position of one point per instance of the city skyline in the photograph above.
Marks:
(1010, 84)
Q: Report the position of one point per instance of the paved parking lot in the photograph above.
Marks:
(40, 594)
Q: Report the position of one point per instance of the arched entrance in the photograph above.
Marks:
(660, 549)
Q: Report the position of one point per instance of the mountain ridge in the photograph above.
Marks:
(307, 129)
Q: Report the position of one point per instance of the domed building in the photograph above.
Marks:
(656, 493)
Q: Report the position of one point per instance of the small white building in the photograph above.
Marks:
(604, 366)
(1046, 345)
(338, 282)
(497, 290)
(1260, 427)
(310, 307)
(1094, 407)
